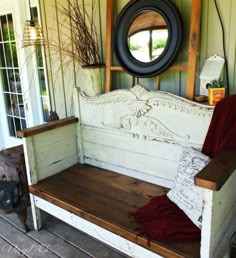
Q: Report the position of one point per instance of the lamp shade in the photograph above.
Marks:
(32, 34)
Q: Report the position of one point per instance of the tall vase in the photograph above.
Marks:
(91, 79)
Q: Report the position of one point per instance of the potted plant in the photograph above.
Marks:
(79, 25)
(79, 44)
(216, 91)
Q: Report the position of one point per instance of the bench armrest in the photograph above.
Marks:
(219, 169)
(46, 127)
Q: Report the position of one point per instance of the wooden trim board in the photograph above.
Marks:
(46, 127)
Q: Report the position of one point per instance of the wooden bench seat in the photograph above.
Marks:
(139, 136)
(107, 199)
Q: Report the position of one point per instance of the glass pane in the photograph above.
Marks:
(8, 103)
(45, 103)
(23, 123)
(34, 12)
(11, 28)
(7, 47)
(21, 110)
(39, 56)
(14, 105)
(11, 125)
(1, 36)
(17, 124)
(44, 94)
(14, 54)
(18, 108)
(20, 99)
(14, 79)
(4, 28)
(2, 59)
(42, 82)
(4, 80)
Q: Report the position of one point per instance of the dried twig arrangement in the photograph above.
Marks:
(80, 26)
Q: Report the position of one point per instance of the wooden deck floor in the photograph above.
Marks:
(56, 239)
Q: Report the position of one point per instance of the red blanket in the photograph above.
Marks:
(161, 219)
(222, 130)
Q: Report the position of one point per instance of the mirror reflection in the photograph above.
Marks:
(147, 36)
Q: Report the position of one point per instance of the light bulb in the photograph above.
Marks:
(33, 32)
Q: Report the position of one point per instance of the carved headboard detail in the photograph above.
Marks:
(139, 113)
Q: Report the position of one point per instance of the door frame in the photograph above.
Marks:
(29, 77)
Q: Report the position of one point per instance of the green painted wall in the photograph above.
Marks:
(211, 35)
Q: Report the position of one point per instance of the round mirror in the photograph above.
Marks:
(148, 36)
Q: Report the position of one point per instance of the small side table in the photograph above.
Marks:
(12, 168)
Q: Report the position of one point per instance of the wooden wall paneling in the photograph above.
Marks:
(109, 25)
(158, 82)
(210, 31)
(231, 46)
(204, 33)
(193, 47)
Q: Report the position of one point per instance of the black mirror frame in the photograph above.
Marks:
(175, 35)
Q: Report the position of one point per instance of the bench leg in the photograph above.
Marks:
(36, 214)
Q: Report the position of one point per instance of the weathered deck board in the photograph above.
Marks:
(79, 239)
(22, 242)
(56, 239)
(8, 251)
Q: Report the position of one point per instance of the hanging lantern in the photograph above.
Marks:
(32, 32)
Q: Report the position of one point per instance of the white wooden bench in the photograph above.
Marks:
(138, 135)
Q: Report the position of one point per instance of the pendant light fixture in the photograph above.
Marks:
(32, 32)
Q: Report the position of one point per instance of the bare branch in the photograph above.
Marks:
(79, 28)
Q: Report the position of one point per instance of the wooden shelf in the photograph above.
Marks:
(172, 68)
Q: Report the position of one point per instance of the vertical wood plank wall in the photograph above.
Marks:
(61, 81)
(211, 35)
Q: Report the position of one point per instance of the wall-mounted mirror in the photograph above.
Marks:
(148, 36)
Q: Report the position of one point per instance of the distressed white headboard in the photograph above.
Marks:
(140, 133)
